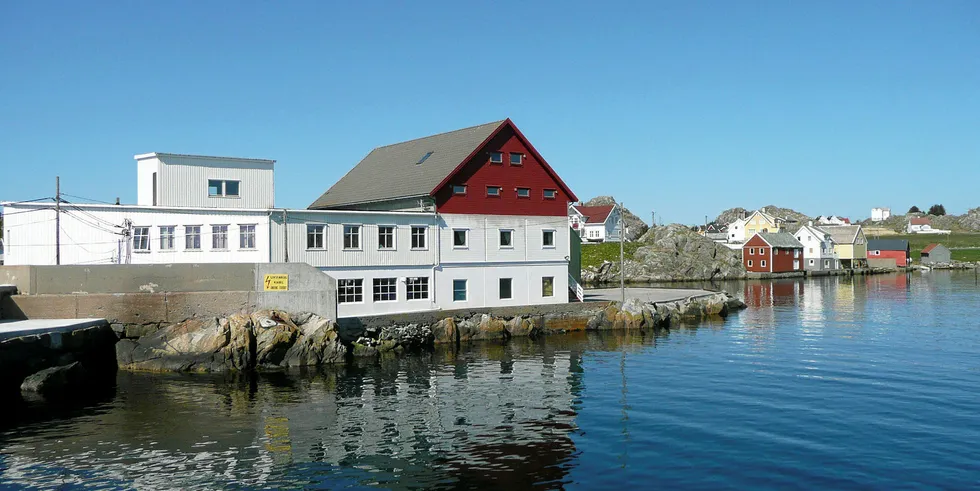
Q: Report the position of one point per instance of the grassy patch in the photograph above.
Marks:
(594, 254)
(971, 255)
(953, 241)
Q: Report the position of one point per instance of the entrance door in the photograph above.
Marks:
(796, 264)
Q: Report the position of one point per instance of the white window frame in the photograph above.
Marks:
(500, 238)
(499, 160)
(554, 193)
(352, 230)
(510, 285)
(497, 191)
(554, 236)
(751, 251)
(223, 188)
(356, 290)
(311, 231)
(543, 280)
(171, 235)
(466, 238)
(750, 263)
(141, 242)
(417, 288)
(188, 236)
(243, 235)
(424, 235)
(762, 263)
(459, 189)
(528, 196)
(520, 158)
(811, 262)
(217, 231)
(394, 233)
(466, 290)
(390, 289)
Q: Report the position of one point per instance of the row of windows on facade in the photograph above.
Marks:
(417, 288)
(516, 158)
(497, 191)
(192, 237)
(316, 237)
(775, 252)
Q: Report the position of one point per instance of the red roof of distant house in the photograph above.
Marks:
(595, 214)
(929, 248)
(920, 221)
(846, 220)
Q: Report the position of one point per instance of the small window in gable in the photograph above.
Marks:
(516, 158)
(523, 192)
(496, 157)
(459, 189)
(493, 190)
(550, 193)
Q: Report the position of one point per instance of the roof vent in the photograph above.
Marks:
(424, 157)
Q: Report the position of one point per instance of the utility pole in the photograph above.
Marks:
(653, 219)
(622, 257)
(57, 220)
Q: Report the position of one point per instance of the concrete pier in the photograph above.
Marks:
(17, 328)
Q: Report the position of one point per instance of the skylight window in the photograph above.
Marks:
(424, 157)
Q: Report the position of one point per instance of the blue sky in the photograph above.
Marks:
(686, 108)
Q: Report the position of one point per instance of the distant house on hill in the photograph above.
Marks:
(880, 214)
(757, 222)
(772, 253)
(936, 254)
(922, 225)
(896, 249)
(600, 222)
(833, 220)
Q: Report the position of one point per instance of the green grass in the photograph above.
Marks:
(969, 255)
(594, 254)
(955, 242)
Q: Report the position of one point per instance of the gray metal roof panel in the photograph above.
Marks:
(781, 239)
(888, 245)
(842, 234)
(392, 171)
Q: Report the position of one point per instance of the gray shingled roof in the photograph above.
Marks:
(842, 234)
(392, 171)
(781, 239)
(888, 245)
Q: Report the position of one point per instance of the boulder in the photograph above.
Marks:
(55, 381)
(275, 334)
(445, 332)
(411, 336)
(192, 345)
(317, 343)
(521, 327)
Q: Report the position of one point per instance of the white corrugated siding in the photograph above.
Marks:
(184, 182)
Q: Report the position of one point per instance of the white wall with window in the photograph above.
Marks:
(199, 181)
(96, 234)
(525, 285)
(363, 291)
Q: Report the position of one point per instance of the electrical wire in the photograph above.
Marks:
(88, 199)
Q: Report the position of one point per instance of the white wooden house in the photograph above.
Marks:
(818, 249)
(601, 223)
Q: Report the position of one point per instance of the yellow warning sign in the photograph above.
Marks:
(276, 282)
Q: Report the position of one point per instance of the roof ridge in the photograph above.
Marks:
(497, 123)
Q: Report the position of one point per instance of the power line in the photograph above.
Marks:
(87, 199)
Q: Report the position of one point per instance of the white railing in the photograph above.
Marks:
(577, 288)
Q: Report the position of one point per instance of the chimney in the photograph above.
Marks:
(811, 223)
(117, 200)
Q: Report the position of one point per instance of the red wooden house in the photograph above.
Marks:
(896, 249)
(772, 253)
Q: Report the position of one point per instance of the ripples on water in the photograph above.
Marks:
(825, 384)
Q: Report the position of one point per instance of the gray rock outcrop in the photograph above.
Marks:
(267, 339)
(673, 253)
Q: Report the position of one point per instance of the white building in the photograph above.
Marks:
(833, 220)
(922, 225)
(818, 249)
(466, 219)
(598, 223)
(880, 214)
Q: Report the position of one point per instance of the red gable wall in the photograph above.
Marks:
(761, 250)
(478, 173)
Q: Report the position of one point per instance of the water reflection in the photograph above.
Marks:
(490, 416)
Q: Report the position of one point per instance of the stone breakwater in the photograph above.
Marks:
(275, 340)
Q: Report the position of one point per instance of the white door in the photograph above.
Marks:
(796, 264)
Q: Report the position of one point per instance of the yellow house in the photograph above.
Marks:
(850, 245)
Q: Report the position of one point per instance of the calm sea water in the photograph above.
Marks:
(868, 383)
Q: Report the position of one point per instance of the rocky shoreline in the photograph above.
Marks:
(277, 340)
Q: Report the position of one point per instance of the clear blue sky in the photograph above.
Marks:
(829, 107)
